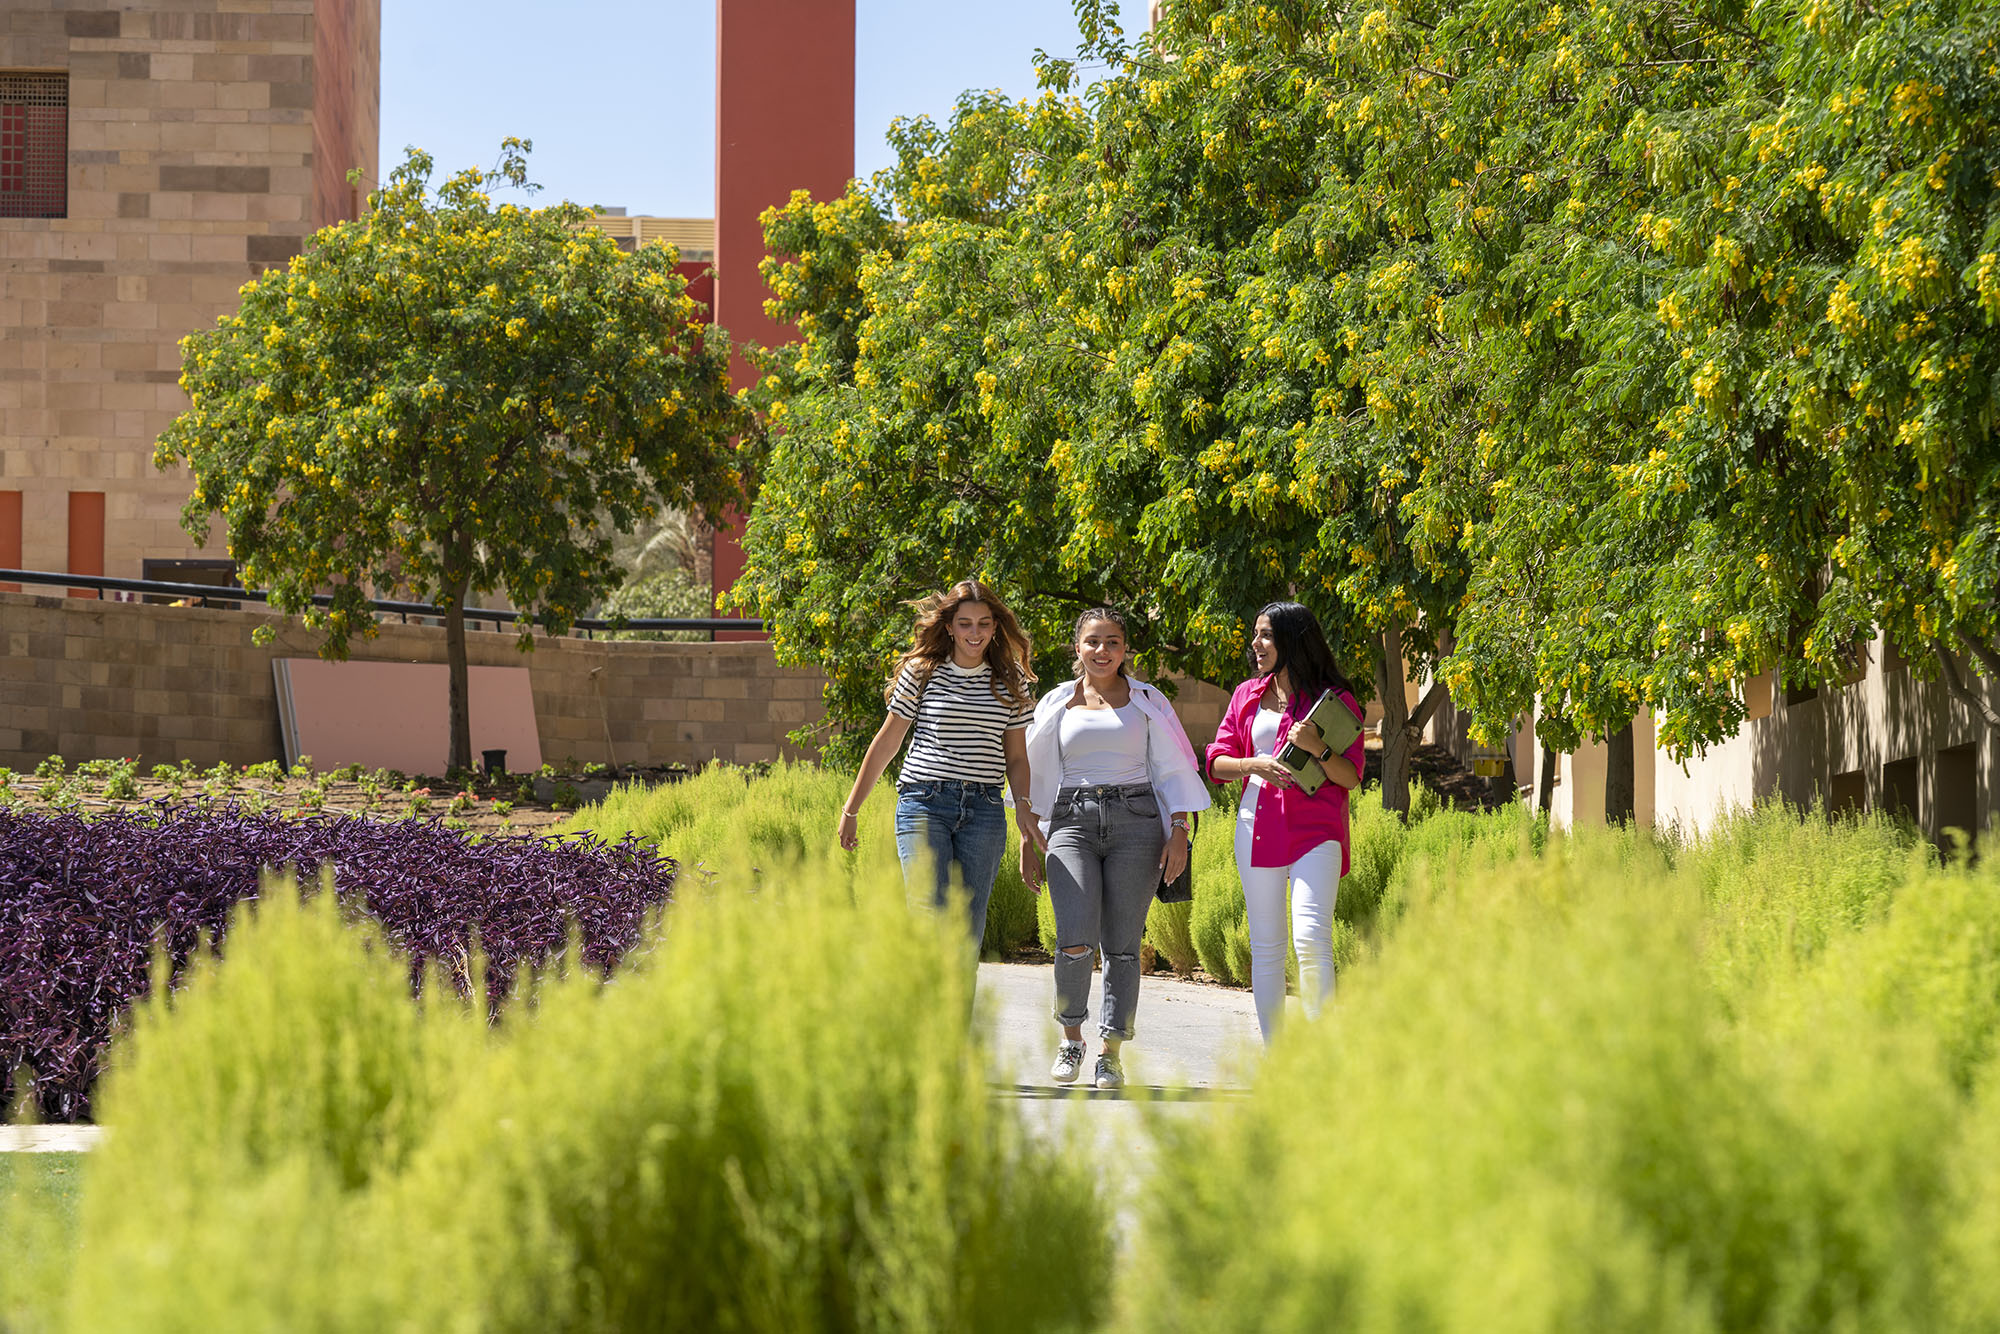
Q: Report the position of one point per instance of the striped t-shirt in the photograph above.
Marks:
(957, 724)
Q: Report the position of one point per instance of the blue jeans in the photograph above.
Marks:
(953, 821)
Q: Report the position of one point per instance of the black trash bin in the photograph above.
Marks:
(494, 762)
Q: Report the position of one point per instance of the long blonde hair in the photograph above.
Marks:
(1007, 653)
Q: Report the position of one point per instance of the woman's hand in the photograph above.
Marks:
(1031, 866)
(1306, 736)
(1271, 769)
(1174, 856)
(1031, 828)
(848, 831)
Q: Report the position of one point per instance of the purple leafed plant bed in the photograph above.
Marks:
(84, 904)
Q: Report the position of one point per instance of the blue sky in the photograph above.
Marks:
(619, 95)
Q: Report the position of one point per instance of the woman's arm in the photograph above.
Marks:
(1014, 741)
(1232, 755)
(888, 740)
(1229, 768)
(1174, 856)
(1227, 755)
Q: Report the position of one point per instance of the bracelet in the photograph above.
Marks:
(1181, 825)
(852, 815)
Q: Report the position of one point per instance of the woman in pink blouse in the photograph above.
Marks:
(1281, 832)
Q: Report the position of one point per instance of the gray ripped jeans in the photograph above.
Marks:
(1104, 866)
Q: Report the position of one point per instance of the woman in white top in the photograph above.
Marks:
(1115, 778)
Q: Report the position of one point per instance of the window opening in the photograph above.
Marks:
(34, 145)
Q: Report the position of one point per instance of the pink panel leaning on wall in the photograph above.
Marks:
(394, 715)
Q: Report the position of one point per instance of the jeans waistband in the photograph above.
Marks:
(965, 784)
(1104, 791)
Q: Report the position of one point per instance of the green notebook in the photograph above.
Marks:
(1337, 724)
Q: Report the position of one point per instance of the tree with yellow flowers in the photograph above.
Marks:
(1590, 359)
(448, 398)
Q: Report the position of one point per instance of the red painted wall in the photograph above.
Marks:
(10, 536)
(784, 121)
(86, 537)
(700, 275)
(346, 92)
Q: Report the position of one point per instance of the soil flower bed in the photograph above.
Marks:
(499, 804)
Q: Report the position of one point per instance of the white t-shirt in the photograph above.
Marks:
(956, 724)
(1265, 728)
(1103, 747)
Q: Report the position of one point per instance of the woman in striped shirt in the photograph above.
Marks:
(963, 696)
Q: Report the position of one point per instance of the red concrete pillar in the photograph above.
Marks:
(784, 121)
(86, 537)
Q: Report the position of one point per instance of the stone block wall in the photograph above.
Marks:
(200, 132)
(101, 680)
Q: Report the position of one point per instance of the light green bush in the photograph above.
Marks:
(248, 1112)
(1217, 921)
(1972, 1285)
(723, 813)
(775, 1119)
(37, 1237)
(1170, 931)
(1531, 1113)
(1778, 887)
(1370, 895)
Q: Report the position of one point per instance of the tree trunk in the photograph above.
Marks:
(1620, 778)
(1402, 727)
(1546, 789)
(461, 694)
(1964, 686)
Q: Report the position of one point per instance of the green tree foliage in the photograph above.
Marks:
(887, 476)
(447, 398)
(1591, 358)
(1051, 346)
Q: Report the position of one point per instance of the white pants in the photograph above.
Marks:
(1315, 881)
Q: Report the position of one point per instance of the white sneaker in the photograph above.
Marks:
(1069, 1062)
(1110, 1075)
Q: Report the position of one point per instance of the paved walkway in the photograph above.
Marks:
(1191, 1038)
(49, 1139)
(1193, 1055)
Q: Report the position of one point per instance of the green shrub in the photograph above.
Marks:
(37, 1237)
(1011, 923)
(776, 1120)
(723, 813)
(1170, 931)
(1531, 1114)
(1972, 1284)
(1218, 924)
(1779, 887)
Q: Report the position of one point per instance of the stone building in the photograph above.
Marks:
(154, 155)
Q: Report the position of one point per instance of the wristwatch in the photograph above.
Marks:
(1178, 824)
(1326, 755)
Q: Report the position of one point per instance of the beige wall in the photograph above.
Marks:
(191, 168)
(99, 680)
(1796, 750)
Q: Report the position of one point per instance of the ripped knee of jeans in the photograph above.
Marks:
(1121, 958)
(1076, 951)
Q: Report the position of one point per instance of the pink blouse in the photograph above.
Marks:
(1288, 824)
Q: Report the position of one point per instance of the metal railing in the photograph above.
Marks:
(204, 594)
